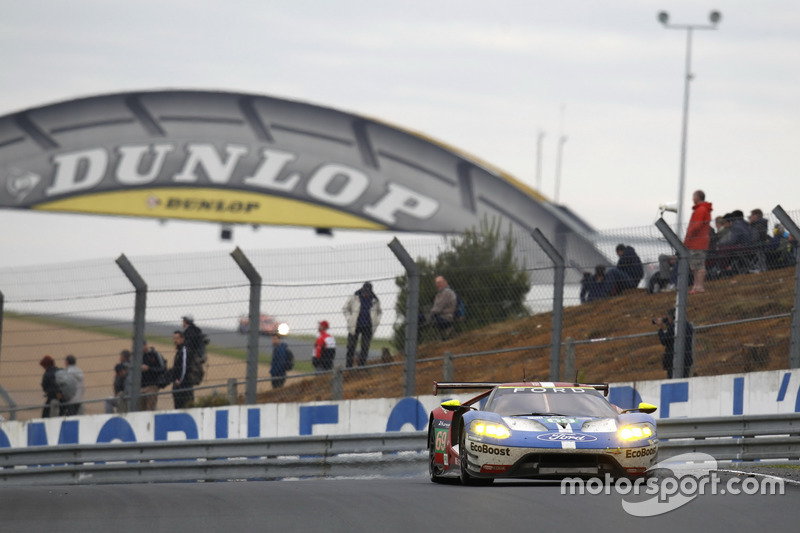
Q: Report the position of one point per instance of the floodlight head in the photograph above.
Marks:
(715, 17)
(663, 17)
(668, 206)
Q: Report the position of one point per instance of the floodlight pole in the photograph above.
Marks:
(539, 161)
(663, 17)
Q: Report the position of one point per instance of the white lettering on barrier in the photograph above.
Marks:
(775, 392)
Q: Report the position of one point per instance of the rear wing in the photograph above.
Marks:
(602, 387)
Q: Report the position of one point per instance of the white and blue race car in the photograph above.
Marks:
(538, 430)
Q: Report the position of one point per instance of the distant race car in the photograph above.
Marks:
(538, 430)
(267, 325)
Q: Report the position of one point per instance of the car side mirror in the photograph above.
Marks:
(643, 408)
(647, 408)
(451, 405)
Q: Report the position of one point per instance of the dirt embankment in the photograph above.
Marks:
(761, 345)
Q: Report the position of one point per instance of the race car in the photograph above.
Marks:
(538, 430)
(267, 325)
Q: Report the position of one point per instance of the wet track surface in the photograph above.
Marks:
(377, 505)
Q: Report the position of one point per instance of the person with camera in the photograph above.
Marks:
(666, 334)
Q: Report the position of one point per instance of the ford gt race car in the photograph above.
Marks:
(538, 430)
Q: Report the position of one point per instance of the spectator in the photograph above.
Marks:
(182, 390)
(441, 313)
(594, 287)
(714, 264)
(324, 348)
(630, 266)
(154, 370)
(723, 228)
(739, 234)
(698, 238)
(75, 405)
(735, 245)
(666, 334)
(192, 335)
(280, 361)
(758, 226)
(780, 248)
(120, 382)
(49, 385)
(667, 272)
(363, 314)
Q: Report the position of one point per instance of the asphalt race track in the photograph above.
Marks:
(377, 505)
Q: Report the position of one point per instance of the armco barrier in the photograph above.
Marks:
(388, 454)
(731, 438)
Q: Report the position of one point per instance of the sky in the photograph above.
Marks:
(486, 77)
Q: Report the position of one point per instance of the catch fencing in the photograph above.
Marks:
(91, 309)
(738, 438)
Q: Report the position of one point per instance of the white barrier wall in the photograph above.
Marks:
(734, 394)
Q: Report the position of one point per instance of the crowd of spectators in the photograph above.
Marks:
(737, 246)
(729, 246)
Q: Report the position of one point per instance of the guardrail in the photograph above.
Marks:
(390, 454)
(732, 438)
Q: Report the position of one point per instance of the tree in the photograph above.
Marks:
(481, 266)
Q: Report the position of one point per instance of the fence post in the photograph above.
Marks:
(569, 360)
(558, 301)
(338, 382)
(680, 297)
(412, 315)
(448, 369)
(233, 391)
(254, 324)
(794, 231)
(134, 384)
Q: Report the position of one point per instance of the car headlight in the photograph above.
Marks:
(283, 328)
(599, 426)
(636, 431)
(489, 429)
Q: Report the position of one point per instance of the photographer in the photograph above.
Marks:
(666, 334)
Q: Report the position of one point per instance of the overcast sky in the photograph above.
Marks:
(485, 77)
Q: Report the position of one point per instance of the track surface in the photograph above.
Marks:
(379, 505)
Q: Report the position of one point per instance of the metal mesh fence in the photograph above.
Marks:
(742, 322)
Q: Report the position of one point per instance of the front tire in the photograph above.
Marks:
(466, 478)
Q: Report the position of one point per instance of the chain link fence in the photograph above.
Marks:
(742, 322)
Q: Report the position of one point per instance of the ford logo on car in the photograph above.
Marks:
(567, 437)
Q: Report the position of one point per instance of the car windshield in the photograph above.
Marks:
(566, 401)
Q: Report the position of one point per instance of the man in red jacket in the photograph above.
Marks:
(324, 348)
(698, 238)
